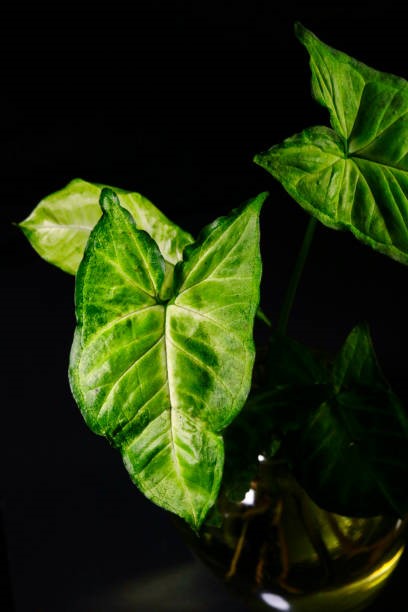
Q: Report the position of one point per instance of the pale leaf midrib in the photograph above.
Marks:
(175, 462)
(58, 226)
(390, 166)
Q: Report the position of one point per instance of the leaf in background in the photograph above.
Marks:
(292, 363)
(59, 226)
(162, 379)
(294, 384)
(352, 455)
(356, 364)
(354, 176)
(261, 426)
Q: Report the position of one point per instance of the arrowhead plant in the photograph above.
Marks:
(162, 361)
(162, 376)
(163, 350)
(350, 450)
(354, 174)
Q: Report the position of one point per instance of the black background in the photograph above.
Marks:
(171, 99)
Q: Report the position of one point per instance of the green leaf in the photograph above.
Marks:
(296, 382)
(356, 364)
(162, 379)
(352, 454)
(293, 385)
(354, 176)
(59, 226)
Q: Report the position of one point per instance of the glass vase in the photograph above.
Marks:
(277, 550)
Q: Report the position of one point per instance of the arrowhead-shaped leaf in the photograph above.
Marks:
(59, 226)
(162, 379)
(356, 365)
(354, 176)
(352, 455)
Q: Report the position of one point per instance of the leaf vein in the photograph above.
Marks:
(135, 363)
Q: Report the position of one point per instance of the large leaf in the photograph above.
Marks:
(162, 379)
(354, 176)
(352, 455)
(59, 226)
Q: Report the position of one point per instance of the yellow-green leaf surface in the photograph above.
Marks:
(59, 226)
(355, 175)
(162, 379)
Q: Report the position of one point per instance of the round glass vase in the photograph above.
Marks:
(277, 550)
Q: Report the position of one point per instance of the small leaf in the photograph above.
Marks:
(354, 176)
(59, 226)
(352, 454)
(356, 364)
(161, 380)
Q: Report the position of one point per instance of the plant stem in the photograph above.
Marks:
(262, 316)
(295, 278)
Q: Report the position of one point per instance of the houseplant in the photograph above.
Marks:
(163, 355)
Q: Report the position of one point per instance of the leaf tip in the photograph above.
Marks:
(260, 199)
(24, 227)
(108, 199)
(194, 524)
(258, 159)
(305, 36)
(299, 29)
(255, 204)
(302, 33)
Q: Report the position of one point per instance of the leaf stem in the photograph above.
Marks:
(262, 316)
(295, 277)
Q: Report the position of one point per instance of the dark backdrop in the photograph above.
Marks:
(171, 99)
